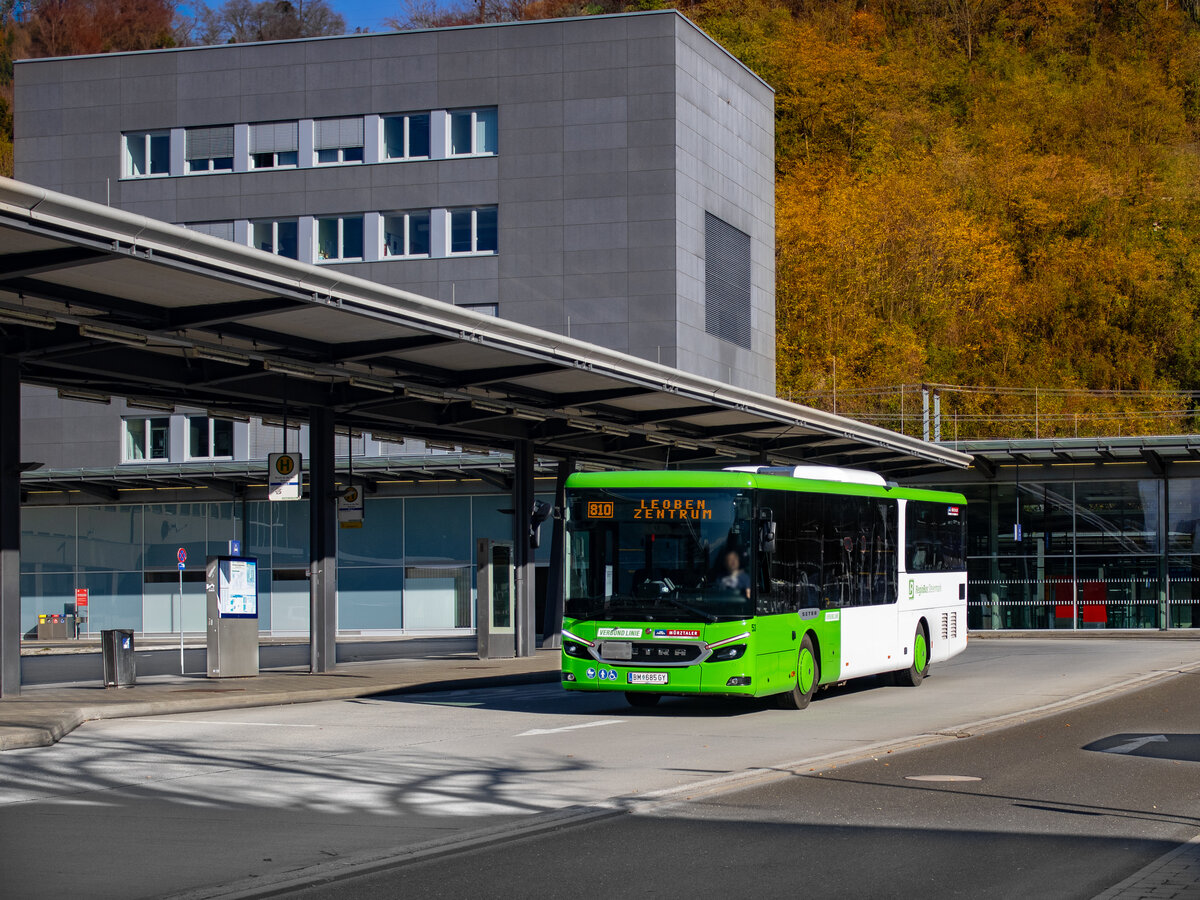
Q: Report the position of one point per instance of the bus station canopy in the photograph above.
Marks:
(97, 302)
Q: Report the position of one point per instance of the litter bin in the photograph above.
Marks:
(117, 645)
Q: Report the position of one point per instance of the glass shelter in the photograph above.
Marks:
(1084, 535)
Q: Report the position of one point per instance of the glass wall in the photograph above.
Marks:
(411, 566)
(1083, 554)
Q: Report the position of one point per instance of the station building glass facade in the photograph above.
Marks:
(410, 568)
(1107, 538)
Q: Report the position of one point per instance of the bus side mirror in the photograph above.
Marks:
(766, 537)
(540, 513)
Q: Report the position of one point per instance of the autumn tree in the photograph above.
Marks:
(241, 21)
(434, 14)
(71, 27)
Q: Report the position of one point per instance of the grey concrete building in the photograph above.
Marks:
(606, 178)
(610, 178)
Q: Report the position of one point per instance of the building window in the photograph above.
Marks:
(222, 230)
(726, 281)
(147, 153)
(274, 145)
(406, 137)
(210, 438)
(483, 309)
(338, 140)
(473, 230)
(472, 132)
(280, 237)
(340, 238)
(147, 439)
(406, 234)
(208, 149)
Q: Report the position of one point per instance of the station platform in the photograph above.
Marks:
(43, 713)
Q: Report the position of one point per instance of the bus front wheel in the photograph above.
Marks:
(915, 674)
(808, 674)
(637, 698)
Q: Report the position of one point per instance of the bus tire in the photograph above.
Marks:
(915, 674)
(808, 676)
(640, 699)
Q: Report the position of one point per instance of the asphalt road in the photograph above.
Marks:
(80, 667)
(1046, 809)
(241, 801)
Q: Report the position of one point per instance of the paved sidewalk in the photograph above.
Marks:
(1174, 876)
(42, 714)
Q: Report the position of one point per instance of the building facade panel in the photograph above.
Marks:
(548, 159)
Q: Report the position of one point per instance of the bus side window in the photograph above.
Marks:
(774, 589)
(887, 520)
(767, 600)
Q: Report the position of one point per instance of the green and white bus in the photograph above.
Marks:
(758, 581)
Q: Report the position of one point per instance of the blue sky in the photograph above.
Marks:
(368, 14)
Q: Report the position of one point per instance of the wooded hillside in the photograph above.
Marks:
(1001, 195)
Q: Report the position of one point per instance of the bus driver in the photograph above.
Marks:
(736, 578)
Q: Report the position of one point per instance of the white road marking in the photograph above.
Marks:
(1137, 744)
(218, 722)
(570, 727)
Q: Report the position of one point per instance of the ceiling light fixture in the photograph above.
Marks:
(229, 415)
(88, 396)
(215, 355)
(150, 403)
(487, 406)
(388, 437)
(422, 394)
(31, 319)
(116, 335)
(287, 368)
(372, 384)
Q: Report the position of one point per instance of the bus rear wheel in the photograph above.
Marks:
(808, 674)
(637, 698)
(915, 674)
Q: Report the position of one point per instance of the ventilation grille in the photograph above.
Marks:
(949, 626)
(726, 282)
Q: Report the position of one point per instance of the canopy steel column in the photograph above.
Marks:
(555, 580)
(322, 514)
(10, 527)
(525, 603)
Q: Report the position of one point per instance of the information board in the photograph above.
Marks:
(237, 588)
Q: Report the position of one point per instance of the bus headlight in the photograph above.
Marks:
(728, 652)
(576, 650)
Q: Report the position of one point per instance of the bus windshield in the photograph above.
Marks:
(657, 555)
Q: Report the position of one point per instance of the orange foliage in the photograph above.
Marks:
(71, 27)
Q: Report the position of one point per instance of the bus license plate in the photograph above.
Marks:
(617, 650)
(647, 677)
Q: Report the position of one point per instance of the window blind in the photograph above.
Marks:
(223, 230)
(208, 143)
(274, 137)
(332, 134)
